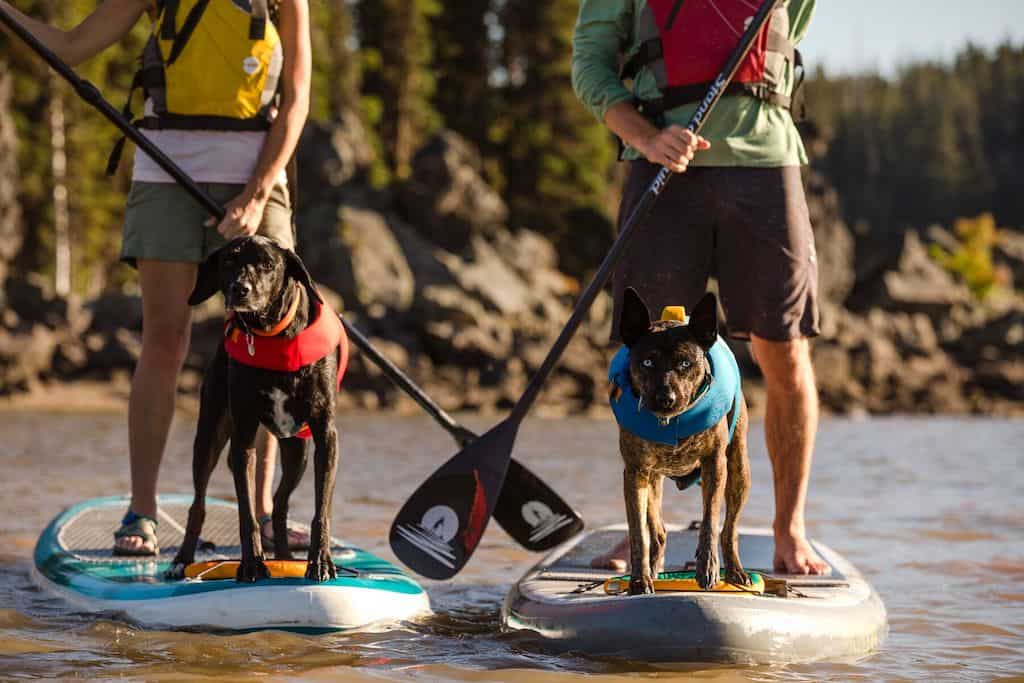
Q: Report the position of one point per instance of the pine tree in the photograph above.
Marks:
(464, 61)
(335, 85)
(557, 159)
(397, 79)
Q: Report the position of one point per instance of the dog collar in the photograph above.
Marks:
(714, 401)
(284, 322)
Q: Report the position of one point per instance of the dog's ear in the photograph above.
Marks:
(635, 320)
(207, 280)
(704, 321)
(296, 269)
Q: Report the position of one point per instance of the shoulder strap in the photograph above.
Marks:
(191, 21)
(260, 15)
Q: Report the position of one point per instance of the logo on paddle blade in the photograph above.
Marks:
(542, 519)
(434, 533)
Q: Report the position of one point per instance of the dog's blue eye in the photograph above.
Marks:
(685, 364)
(648, 363)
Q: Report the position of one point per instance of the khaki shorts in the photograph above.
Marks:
(164, 223)
(748, 227)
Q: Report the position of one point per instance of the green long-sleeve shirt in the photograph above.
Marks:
(743, 131)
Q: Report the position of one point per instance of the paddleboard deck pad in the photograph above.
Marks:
(562, 601)
(73, 559)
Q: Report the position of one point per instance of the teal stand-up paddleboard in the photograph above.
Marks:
(73, 559)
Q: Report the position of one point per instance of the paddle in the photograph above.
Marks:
(438, 529)
(533, 514)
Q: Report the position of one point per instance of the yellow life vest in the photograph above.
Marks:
(209, 65)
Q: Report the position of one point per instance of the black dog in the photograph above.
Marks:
(677, 418)
(276, 314)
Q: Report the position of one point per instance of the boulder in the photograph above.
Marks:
(833, 240)
(25, 356)
(361, 260)
(919, 284)
(446, 196)
(331, 154)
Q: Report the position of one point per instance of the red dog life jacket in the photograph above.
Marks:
(685, 43)
(323, 335)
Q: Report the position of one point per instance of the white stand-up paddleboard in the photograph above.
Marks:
(73, 559)
(564, 602)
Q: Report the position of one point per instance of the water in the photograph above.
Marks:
(929, 509)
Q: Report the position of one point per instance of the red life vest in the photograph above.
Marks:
(323, 335)
(685, 43)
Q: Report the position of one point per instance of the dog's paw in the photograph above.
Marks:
(250, 571)
(320, 570)
(176, 572)
(707, 570)
(736, 576)
(641, 585)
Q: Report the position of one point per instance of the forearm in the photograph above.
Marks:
(107, 24)
(632, 128)
(279, 146)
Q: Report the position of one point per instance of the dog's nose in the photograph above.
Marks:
(665, 398)
(241, 289)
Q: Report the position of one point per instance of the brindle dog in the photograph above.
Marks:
(667, 368)
(259, 281)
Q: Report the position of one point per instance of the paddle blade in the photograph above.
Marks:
(438, 529)
(534, 515)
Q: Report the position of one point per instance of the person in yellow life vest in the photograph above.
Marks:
(233, 131)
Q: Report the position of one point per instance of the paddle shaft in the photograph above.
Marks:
(637, 217)
(462, 435)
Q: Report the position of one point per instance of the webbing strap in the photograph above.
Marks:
(167, 28)
(198, 122)
(181, 40)
(258, 24)
(678, 96)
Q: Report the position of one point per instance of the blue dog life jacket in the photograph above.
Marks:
(711, 406)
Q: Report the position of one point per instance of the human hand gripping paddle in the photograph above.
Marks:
(534, 515)
(439, 527)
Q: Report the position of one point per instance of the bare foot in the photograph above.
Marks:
(297, 538)
(616, 559)
(134, 545)
(794, 555)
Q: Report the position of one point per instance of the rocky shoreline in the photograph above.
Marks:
(469, 306)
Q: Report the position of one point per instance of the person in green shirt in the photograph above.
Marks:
(737, 212)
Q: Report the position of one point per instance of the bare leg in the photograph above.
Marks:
(791, 423)
(165, 336)
(266, 458)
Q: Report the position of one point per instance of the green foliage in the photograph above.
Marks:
(935, 143)
(397, 52)
(971, 260)
(556, 158)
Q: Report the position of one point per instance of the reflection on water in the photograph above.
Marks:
(929, 509)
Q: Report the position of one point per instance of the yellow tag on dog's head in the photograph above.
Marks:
(674, 313)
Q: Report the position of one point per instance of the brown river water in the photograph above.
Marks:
(929, 509)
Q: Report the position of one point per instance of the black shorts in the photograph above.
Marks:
(747, 227)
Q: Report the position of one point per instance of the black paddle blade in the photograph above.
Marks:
(534, 515)
(439, 527)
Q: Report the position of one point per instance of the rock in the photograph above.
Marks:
(833, 242)
(919, 284)
(459, 329)
(364, 263)
(446, 197)
(32, 298)
(331, 154)
(115, 311)
(1009, 254)
(25, 357)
